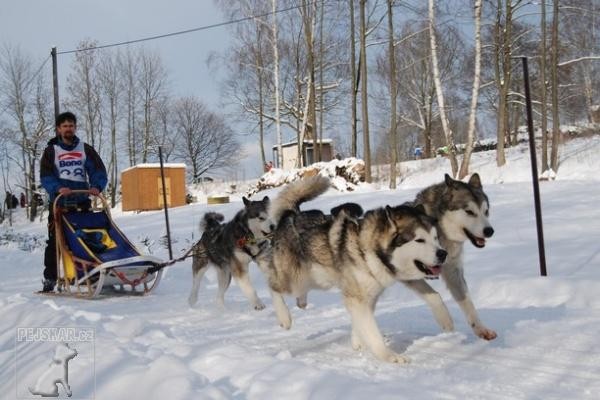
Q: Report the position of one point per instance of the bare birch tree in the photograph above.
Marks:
(354, 82)
(275, 43)
(204, 139)
(26, 96)
(464, 167)
(128, 64)
(83, 91)
(543, 88)
(364, 94)
(152, 79)
(393, 94)
(554, 78)
(110, 86)
(439, 91)
(309, 18)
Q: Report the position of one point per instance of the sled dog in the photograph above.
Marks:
(360, 255)
(230, 247)
(462, 211)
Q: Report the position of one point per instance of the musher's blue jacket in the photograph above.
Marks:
(92, 172)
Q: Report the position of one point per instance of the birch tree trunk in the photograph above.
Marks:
(364, 94)
(503, 74)
(393, 90)
(440, 94)
(544, 109)
(260, 72)
(321, 84)
(276, 78)
(308, 17)
(464, 167)
(353, 72)
(554, 72)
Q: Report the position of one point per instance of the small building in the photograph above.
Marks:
(141, 187)
(290, 152)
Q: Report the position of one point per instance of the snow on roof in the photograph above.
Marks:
(306, 141)
(156, 165)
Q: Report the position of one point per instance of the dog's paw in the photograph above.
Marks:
(286, 324)
(396, 358)
(301, 302)
(192, 300)
(485, 333)
(259, 306)
(356, 343)
(285, 319)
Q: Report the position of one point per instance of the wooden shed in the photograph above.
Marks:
(290, 152)
(141, 187)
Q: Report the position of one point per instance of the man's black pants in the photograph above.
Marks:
(50, 252)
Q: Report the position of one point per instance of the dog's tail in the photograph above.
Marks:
(290, 198)
(211, 221)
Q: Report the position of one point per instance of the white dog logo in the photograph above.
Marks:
(57, 372)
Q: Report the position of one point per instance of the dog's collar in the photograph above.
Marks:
(245, 240)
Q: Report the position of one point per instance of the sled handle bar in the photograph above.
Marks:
(83, 191)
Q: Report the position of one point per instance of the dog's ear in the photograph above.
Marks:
(388, 213)
(449, 181)
(266, 199)
(246, 201)
(420, 208)
(475, 181)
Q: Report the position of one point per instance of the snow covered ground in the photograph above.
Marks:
(157, 347)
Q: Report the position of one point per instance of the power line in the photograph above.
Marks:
(201, 28)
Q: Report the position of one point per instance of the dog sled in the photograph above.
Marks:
(94, 257)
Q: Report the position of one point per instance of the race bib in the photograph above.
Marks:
(70, 163)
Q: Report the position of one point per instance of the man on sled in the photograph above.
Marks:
(67, 164)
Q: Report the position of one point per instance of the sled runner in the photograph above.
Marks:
(94, 255)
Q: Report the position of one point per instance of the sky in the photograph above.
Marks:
(37, 25)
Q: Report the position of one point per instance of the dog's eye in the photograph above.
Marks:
(398, 241)
(261, 218)
(469, 212)
(420, 240)
(487, 213)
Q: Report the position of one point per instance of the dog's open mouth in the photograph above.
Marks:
(267, 235)
(433, 270)
(477, 241)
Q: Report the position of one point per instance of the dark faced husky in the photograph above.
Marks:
(462, 211)
(360, 256)
(230, 247)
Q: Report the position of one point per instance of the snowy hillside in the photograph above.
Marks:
(157, 347)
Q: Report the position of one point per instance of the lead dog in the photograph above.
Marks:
(462, 211)
(360, 256)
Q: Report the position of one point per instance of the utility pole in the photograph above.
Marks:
(534, 171)
(55, 81)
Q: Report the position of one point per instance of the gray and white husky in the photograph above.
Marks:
(230, 247)
(462, 211)
(361, 256)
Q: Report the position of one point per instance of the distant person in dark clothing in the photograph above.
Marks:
(22, 200)
(67, 164)
(11, 200)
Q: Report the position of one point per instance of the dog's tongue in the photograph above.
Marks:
(435, 270)
(480, 242)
